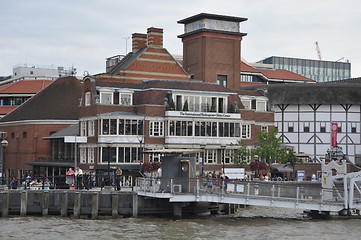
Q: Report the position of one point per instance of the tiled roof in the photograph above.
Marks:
(24, 86)
(58, 101)
(6, 109)
(279, 74)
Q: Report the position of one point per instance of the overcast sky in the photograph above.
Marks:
(83, 33)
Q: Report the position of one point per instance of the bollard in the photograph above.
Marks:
(5, 208)
(45, 206)
(24, 203)
(115, 205)
(64, 205)
(95, 205)
(77, 205)
(135, 205)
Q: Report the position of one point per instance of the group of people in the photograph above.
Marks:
(31, 183)
(216, 179)
(78, 180)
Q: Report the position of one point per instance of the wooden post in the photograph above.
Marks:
(64, 205)
(5, 208)
(135, 205)
(95, 205)
(24, 203)
(115, 205)
(77, 205)
(45, 206)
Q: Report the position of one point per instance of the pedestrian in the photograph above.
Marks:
(70, 174)
(79, 178)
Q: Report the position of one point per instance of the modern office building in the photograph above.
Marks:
(318, 70)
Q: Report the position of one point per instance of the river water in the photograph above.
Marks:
(251, 223)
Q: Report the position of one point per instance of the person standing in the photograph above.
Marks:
(79, 178)
(70, 175)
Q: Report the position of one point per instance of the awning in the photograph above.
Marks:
(104, 167)
(51, 164)
(282, 168)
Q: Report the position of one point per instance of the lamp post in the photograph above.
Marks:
(201, 162)
(223, 147)
(109, 145)
(4, 144)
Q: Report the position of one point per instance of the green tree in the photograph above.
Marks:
(269, 149)
(241, 155)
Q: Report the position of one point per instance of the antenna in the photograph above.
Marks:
(126, 44)
(318, 51)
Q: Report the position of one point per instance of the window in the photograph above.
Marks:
(222, 80)
(83, 128)
(90, 155)
(246, 131)
(290, 127)
(106, 97)
(155, 157)
(125, 99)
(82, 155)
(261, 106)
(227, 155)
(87, 99)
(264, 128)
(25, 134)
(156, 129)
(306, 127)
(198, 103)
(353, 127)
(322, 127)
(91, 128)
(339, 129)
(210, 156)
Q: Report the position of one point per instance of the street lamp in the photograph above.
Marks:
(223, 146)
(109, 145)
(4, 144)
(203, 147)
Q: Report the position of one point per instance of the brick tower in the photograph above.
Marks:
(212, 48)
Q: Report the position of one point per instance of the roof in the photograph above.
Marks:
(274, 74)
(6, 109)
(24, 86)
(319, 93)
(281, 168)
(58, 101)
(126, 61)
(72, 130)
(211, 16)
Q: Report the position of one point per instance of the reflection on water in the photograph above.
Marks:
(250, 223)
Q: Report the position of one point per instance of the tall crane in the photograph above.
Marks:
(318, 51)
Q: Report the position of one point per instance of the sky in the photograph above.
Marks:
(83, 33)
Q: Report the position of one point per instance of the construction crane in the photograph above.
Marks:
(318, 51)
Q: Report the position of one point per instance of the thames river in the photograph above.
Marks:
(251, 223)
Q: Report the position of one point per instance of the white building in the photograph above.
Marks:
(304, 113)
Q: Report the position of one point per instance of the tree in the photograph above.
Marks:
(268, 148)
(241, 155)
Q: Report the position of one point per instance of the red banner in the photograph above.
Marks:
(334, 129)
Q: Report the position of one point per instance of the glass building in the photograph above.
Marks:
(318, 70)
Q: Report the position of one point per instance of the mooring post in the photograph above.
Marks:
(115, 205)
(45, 206)
(177, 210)
(24, 203)
(5, 208)
(77, 205)
(95, 205)
(135, 205)
(64, 204)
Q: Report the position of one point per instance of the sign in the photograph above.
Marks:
(334, 129)
(75, 139)
(235, 173)
(300, 175)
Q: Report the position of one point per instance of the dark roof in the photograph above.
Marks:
(319, 93)
(72, 130)
(166, 84)
(211, 16)
(58, 101)
(126, 61)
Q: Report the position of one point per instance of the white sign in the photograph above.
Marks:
(300, 175)
(75, 139)
(235, 173)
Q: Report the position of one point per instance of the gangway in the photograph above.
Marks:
(343, 198)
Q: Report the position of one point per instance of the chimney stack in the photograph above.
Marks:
(139, 40)
(155, 37)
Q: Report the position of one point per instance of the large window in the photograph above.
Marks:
(222, 80)
(113, 96)
(122, 126)
(91, 128)
(246, 131)
(82, 155)
(198, 103)
(87, 99)
(210, 156)
(156, 128)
